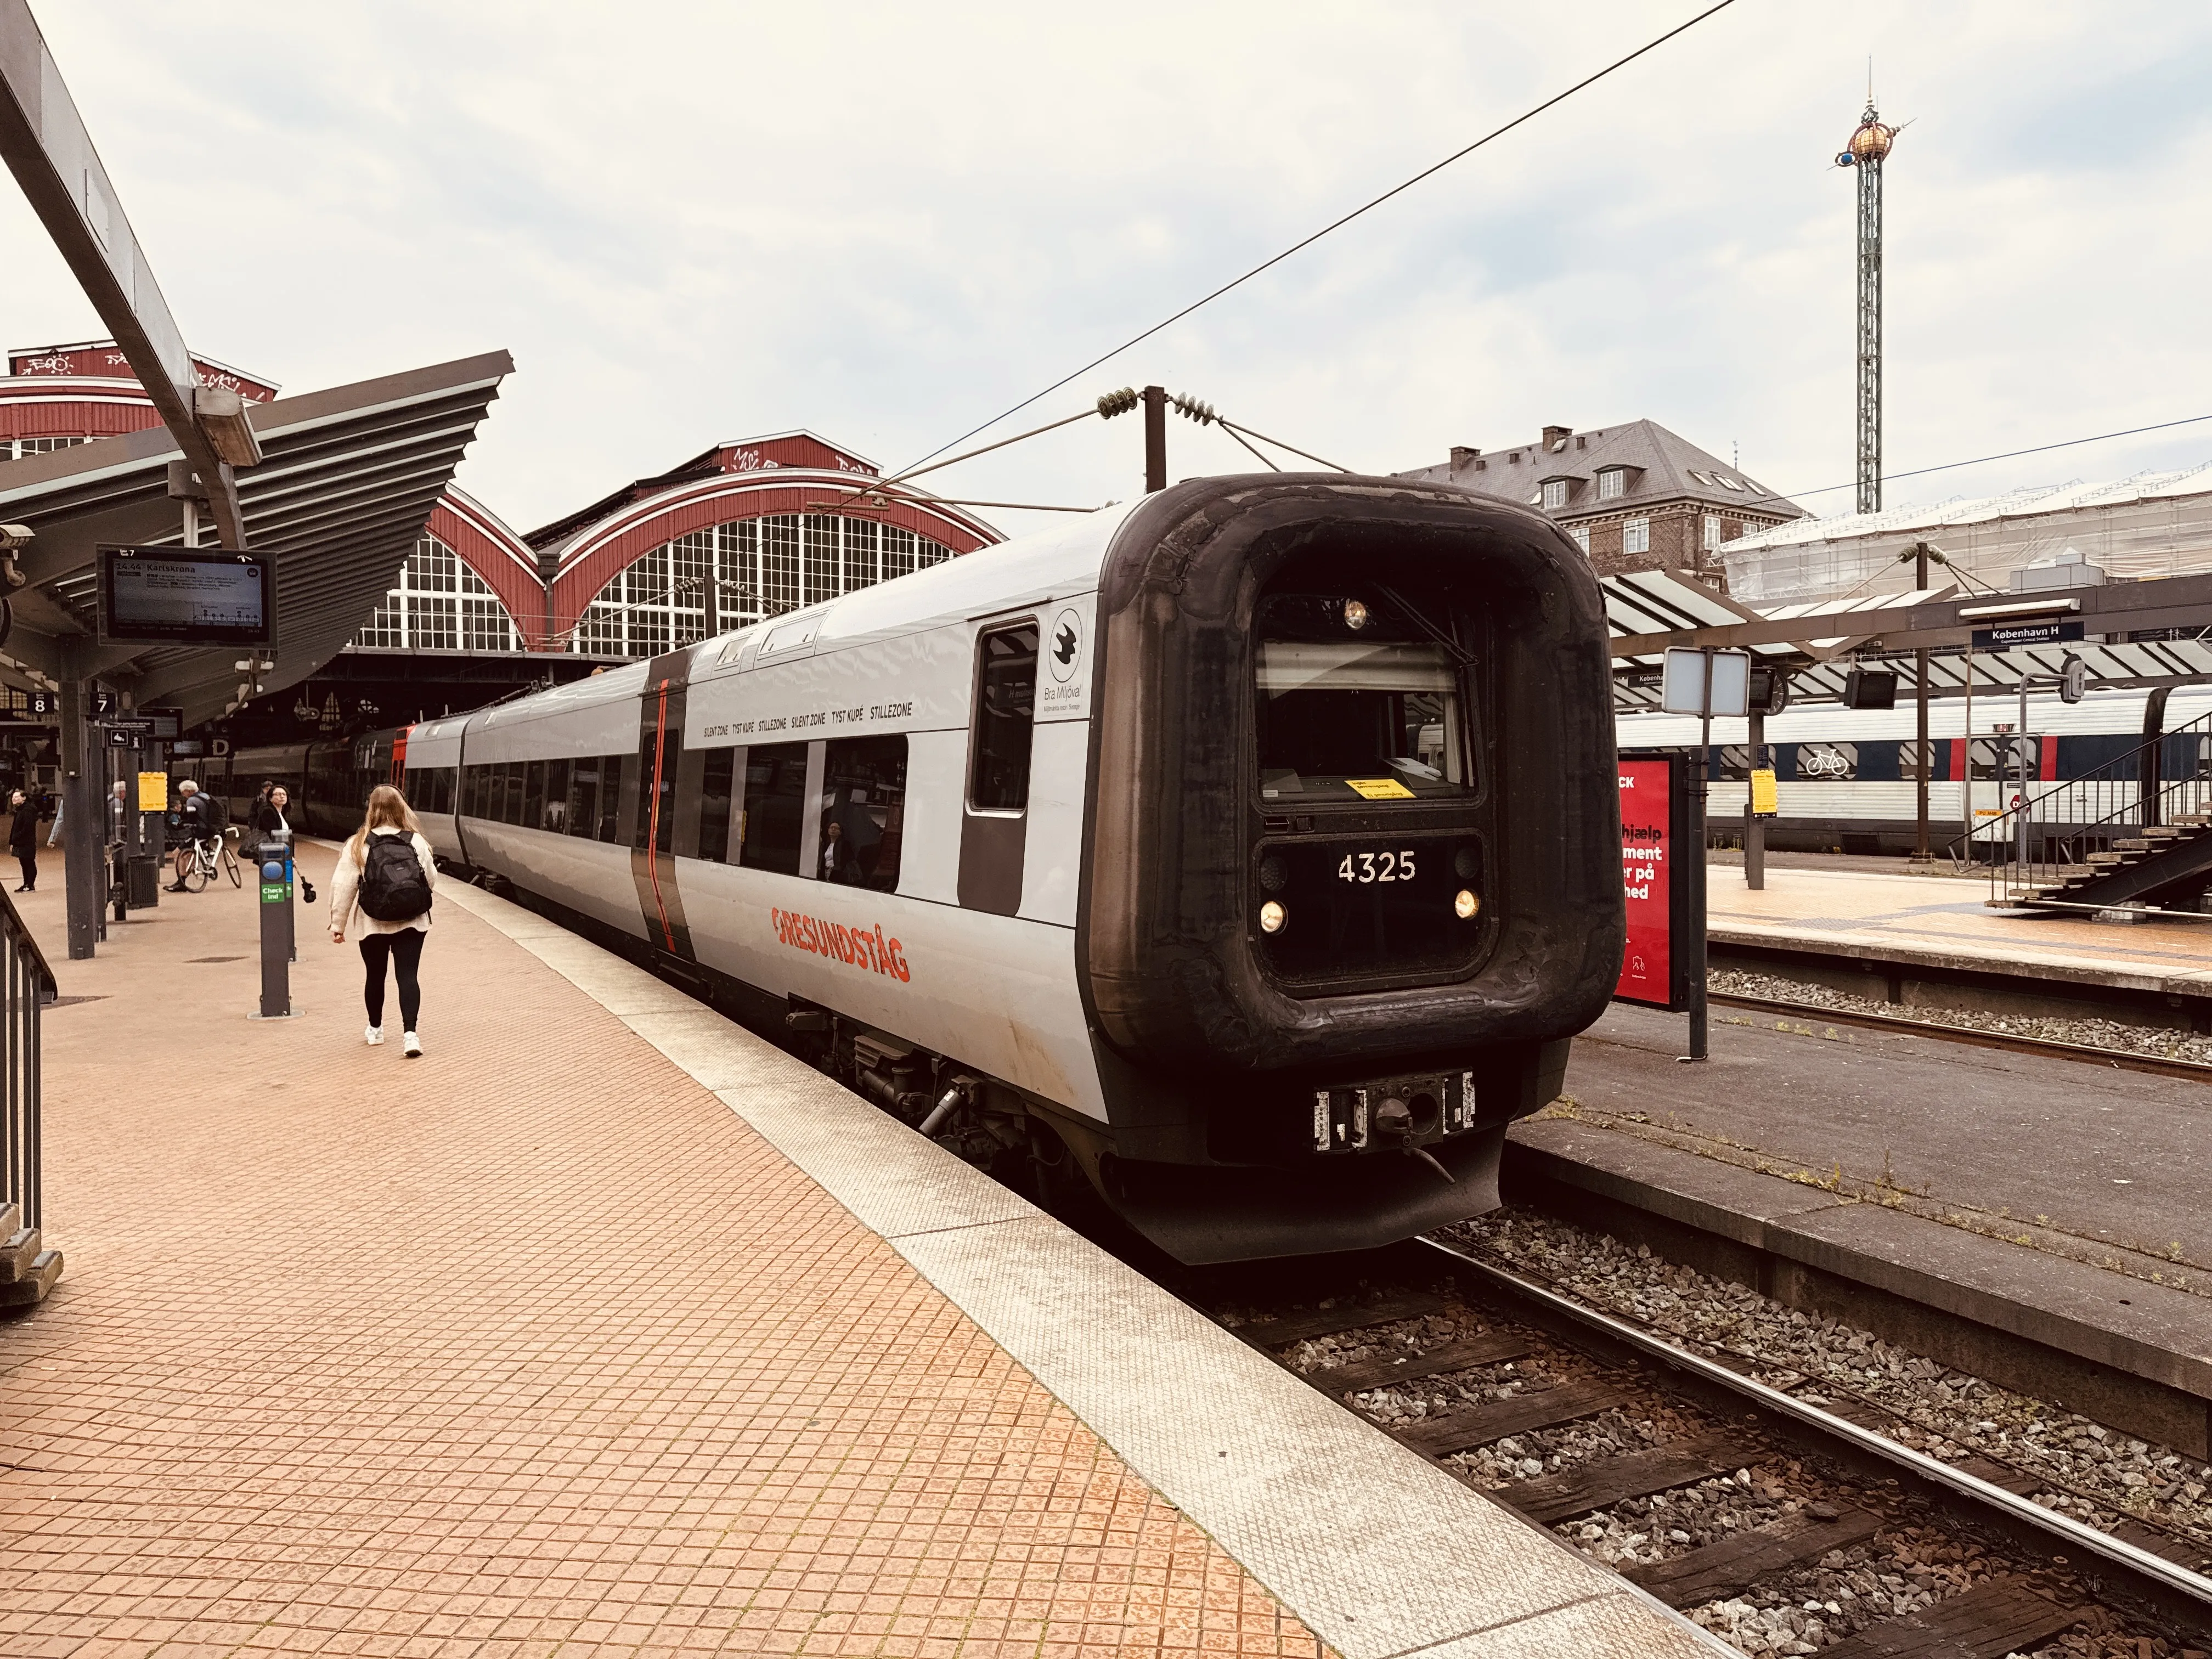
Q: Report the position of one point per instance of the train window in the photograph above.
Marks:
(533, 794)
(2006, 760)
(1346, 715)
(480, 782)
(715, 777)
(863, 811)
(775, 801)
(610, 789)
(1006, 710)
(510, 805)
(556, 798)
(584, 796)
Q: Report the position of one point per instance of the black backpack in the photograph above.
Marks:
(392, 886)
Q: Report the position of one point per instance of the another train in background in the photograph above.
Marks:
(1846, 779)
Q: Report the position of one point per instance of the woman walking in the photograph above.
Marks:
(385, 876)
(23, 838)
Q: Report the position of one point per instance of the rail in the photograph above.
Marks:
(2055, 829)
(27, 985)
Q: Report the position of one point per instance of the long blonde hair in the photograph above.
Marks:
(387, 810)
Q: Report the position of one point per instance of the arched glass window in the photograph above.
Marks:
(440, 604)
(712, 582)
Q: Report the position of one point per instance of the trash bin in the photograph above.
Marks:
(144, 879)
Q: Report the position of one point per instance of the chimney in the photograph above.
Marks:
(1463, 457)
(1556, 435)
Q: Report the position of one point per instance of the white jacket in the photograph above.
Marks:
(345, 889)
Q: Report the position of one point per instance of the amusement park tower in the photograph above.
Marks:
(1868, 148)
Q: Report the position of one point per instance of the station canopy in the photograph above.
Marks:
(347, 482)
(1648, 610)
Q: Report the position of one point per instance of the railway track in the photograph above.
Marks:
(2009, 1041)
(1761, 1494)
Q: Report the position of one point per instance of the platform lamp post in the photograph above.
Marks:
(1927, 759)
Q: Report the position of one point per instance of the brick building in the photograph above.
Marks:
(1636, 496)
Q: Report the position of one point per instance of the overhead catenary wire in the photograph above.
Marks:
(1369, 206)
(2011, 454)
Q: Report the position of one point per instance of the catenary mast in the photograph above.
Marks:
(1868, 148)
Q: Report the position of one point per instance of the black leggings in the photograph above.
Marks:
(404, 948)
(30, 863)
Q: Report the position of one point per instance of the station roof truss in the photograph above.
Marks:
(1818, 644)
(347, 482)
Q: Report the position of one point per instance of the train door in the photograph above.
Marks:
(653, 806)
(2002, 772)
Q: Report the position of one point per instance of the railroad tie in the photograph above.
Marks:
(1986, 1622)
(1601, 1484)
(1517, 1414)
(1331, 1322)
(1733, 1564)
(1488, 1349)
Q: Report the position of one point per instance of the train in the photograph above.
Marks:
(1245, 857)
(1845, 780)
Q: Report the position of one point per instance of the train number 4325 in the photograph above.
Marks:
(1369, 867)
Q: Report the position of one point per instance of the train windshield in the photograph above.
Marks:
(1368, 714)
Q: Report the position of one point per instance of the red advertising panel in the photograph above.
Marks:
(1647, 878)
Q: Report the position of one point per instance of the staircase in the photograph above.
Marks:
(2159, 864)
(2118, 836)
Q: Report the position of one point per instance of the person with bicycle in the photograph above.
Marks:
(196, 826)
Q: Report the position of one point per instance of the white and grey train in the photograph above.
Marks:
(1845, 780)
(1248, 855)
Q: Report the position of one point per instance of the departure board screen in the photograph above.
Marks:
(179, 596)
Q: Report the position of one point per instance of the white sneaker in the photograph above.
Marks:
(412, 1044)
(374, 1034)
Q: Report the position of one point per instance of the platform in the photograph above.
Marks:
(1945, 922)
(605, 1328)
(1874, 1173)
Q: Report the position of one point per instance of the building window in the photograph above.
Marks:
(13, 449)
(713, 581)
(1612, 484)
(1581, 533)
(1555, 494)
(1712, 531)
(1636, 536)
(440, 604)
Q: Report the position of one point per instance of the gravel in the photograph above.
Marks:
(1906, 1567)
(2120, 1474)
(2153, 1040)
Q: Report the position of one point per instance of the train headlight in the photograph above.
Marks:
(1465, 904)
(1355, 614)
(1273, 918)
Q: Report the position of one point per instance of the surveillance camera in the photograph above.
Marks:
(12, 536)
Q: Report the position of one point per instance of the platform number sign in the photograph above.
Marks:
(1654, 813)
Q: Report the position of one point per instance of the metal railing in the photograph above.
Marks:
(2056, 828)
(27, 985)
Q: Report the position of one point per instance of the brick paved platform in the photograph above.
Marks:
(540, 1345)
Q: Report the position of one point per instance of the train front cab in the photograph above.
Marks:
(1353, 861)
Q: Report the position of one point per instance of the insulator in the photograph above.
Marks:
(1117, 403)
(1191, 409)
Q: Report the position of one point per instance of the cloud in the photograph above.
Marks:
(693, 221)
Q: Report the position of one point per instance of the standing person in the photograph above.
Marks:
(272, 821)
(195, 824)
(385, 876)
(23, 838)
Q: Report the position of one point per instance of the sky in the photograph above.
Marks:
(693, 223)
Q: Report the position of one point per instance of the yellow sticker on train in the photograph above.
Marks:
(1380, 788)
